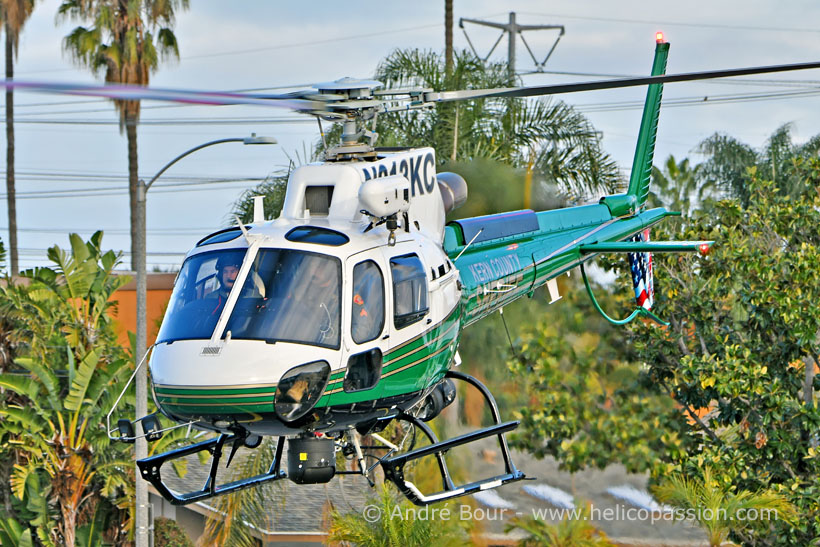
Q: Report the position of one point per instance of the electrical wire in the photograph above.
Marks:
(673, 23)
(170, 122)
(702, 100)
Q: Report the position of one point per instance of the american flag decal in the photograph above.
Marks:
(641, 266)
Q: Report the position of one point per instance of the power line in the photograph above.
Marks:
(703, 100)
(275, 47)
(171, 122)
(107, 177)
(807, 89)
(676, 23)
(118, 191)
(37, 252)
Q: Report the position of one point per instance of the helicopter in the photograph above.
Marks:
(342, 316)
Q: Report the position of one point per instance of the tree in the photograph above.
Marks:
(743, 343)
(574, 531)
(71, 369)
(272, 189)
(588, 404)
(717, 509)
(730, 383)
(388, 523)
(124, 43)
(561, 143)
(14, 14)
(677, 186)
(728, 162)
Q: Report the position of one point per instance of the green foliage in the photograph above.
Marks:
(167, 533)
(728, 162)
(743, 342)
(677, 185)
(397, 525)
(273, 190)
(68, 372)
(124, 40)
(717, 509)
(560, 142)
(12, 533)
(587, 402)
(570, 532)
(738, 361)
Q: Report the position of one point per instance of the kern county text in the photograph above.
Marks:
(374, 513)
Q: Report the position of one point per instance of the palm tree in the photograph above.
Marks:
(717, 509)
(124, 43)
(574, 531)
(677, 185)
(14, 14)
(388, 523)
(563, 145)
(728, 162)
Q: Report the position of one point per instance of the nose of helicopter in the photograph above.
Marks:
(193, 379)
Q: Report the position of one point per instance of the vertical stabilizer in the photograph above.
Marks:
(645, 149)
(635, 197)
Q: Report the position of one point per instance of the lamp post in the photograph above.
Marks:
(141, 380)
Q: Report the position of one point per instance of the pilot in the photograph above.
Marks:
(227, 268)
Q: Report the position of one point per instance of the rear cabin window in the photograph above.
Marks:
(409, 290)
(367, 312)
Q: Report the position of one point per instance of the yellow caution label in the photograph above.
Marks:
(302, 456)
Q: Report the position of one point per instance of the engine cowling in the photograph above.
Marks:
(453, 190)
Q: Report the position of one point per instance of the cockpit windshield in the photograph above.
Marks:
(199, 295)
(288, 296)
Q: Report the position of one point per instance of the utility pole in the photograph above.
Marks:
(512, 29)
(448, 36)
(143, 526)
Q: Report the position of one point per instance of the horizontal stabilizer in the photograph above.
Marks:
(701, 247)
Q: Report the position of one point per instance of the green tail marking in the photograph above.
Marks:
(635, 197)
(645, 150)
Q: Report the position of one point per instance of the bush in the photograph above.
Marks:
(167, 533)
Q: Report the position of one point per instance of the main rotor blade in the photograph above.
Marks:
(136, 93)
(534, 91)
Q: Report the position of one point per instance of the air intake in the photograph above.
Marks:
(318, 198)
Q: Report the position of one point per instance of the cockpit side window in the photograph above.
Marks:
(409, 290)
(367, 312)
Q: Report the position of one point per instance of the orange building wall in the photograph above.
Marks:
(159, 292)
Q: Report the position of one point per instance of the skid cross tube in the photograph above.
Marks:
(150, 470)
(394, 466)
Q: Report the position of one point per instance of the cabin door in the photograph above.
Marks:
(364, 325)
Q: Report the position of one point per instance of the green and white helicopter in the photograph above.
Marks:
(344, 314)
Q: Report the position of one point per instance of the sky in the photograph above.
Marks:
(71, 160)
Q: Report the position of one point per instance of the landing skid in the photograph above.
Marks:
(150, 469)
(393, 465)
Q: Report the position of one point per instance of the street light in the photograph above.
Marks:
(141, 384)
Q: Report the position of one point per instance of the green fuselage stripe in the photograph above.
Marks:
(418, 350)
